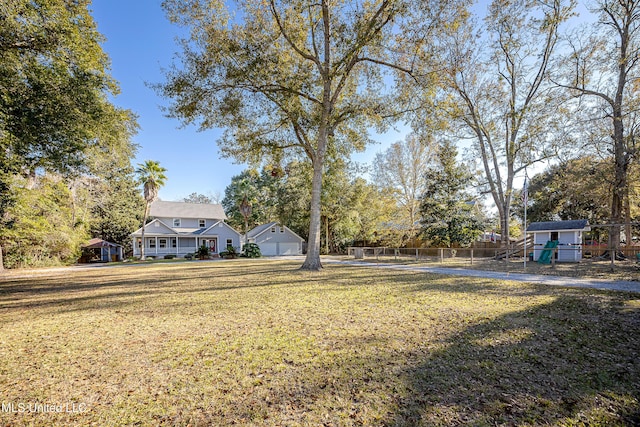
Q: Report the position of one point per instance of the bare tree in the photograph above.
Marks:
(497, 89)
(401, 170)
(602, 66)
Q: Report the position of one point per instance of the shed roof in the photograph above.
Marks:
(576, 224)
(163, 209)
(98, 243)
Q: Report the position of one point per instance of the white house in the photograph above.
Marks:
(568, 234)
(275, 239)
(180, 228)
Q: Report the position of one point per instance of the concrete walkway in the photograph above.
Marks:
(615, 285)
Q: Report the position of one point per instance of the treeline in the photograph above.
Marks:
(516, 83)
(65, 162)
(298, 89)
(417, 193)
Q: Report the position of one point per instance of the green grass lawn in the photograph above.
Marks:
(257, 342)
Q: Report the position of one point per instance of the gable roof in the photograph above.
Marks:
(163, 209)
(159, 227)
(260, 229)
(255, 232)
(577, 224)
(218, 224)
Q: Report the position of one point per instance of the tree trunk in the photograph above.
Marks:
(504, 226)
(312, 261)
(620, 177)
(1, 260)
(144, 224)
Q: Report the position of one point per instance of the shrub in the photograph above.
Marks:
(169, 256)
(230, 252)
(188, 256)
(251, 250)
(203, 252)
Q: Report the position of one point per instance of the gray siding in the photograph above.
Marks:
(223, 232)
(187, 222)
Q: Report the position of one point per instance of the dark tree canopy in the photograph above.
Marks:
(447, 209)
(53, 84)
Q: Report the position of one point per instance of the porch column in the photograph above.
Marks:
(156, 245)
(177, 245)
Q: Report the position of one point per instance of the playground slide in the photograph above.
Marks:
(547, 252)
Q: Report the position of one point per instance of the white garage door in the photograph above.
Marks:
(289, 249)
(269, 249)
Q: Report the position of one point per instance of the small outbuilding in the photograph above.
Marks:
(98, 250)
(275, 239)
(568, 234)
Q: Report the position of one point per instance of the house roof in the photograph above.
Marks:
(577, 224)
(163, 209)
(164, 230)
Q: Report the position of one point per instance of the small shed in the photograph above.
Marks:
(568, 234)
(275, 239)
(98, 250)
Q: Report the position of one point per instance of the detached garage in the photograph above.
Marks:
(274, 239)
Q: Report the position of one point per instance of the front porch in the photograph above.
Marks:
(159, 246)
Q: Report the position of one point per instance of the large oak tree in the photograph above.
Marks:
(291, 78)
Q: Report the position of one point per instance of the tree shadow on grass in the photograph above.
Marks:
(118, 289)
(567, 362)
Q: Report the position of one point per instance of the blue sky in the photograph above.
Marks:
(140, 42)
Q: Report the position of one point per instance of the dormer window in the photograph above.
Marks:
(202, 223)
(176, 222)
(282, 229)
(273, 229)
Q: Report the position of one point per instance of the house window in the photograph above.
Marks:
(202, 223)
(152, 243)
(282, 229)
(229, 242)
(162, 243)
(173, 243)
(139, 243)
(176, 222)
(273, 229)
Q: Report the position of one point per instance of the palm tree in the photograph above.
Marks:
(151, 176)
